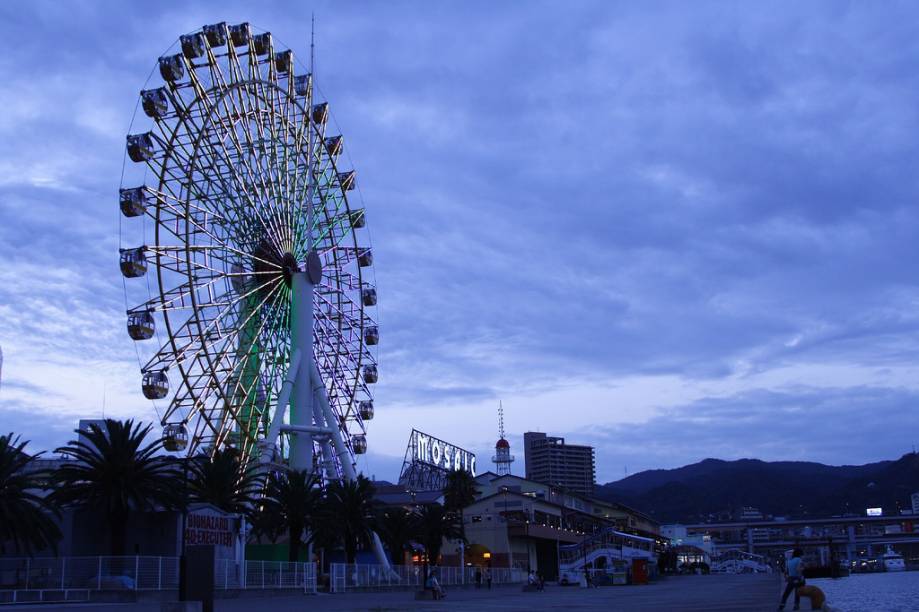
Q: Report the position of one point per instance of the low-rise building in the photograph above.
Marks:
(520, 523)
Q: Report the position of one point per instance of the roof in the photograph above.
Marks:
(405, 498)
(624, 508)
(502, 443)
(505, 494)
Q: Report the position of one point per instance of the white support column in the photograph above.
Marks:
(325, 443)
(268, 446)
(301, 413)
(344, 455)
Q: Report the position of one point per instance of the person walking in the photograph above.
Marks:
(794, 578)
(478, 577)
(488, 578)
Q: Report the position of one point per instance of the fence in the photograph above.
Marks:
(265, 575)
(145, 574)
(344, 577)
(93, 573)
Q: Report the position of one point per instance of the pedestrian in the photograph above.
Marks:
(794, 578)
(434, 585)
(488, 578)
(478, 577)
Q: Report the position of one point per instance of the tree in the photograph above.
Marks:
(26, 517)
(460, 491)
(293, 502)
(396, 528)
(223, 481)
(116, 472)
(350, 507)
(434, 525)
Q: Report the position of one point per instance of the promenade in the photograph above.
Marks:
(720, 593)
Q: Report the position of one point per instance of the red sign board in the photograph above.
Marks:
(213, 529)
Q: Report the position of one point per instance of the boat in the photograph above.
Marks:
(893, 562)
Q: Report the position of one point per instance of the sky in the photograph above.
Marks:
(669, 230)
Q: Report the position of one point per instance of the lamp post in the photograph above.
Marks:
(507, 533)
(183, 570)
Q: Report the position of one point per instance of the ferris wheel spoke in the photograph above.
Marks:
(305, 225)
(217, 150)
(211, 366)
(220, 154)
(275, 216)
(186, 347)
(212, 335)
(280, 136)
(179, 354)
(248, 394)
(230, 371)
(260, 108)
(225, 247)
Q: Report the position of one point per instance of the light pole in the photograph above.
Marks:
(183, 570)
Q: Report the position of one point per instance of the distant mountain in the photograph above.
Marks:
(711, 489)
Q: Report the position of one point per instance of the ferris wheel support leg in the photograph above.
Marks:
(344, 455)
(325, 443)
(268, 447)
(301, 406)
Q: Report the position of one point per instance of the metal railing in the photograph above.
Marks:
(44, 596)
(609, 542)
(137, 573)
(266, 575)
(344, 577)
(93, 573)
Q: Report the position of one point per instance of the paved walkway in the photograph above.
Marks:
(682, 593)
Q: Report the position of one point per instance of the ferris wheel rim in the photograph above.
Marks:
(167, 316)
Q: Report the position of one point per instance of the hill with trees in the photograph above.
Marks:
(713, 489)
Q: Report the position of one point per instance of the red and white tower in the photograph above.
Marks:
(503, 457)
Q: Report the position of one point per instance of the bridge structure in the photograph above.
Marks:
(604, 550)
(840, 537)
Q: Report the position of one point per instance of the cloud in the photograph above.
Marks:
(797, 423)
(598, 215)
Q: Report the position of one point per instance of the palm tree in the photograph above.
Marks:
(25, 516)
(116, 472)
(460, 491)
(434, 525)
(350, 505)
(293, 501)
(396, 528)
(223, 481)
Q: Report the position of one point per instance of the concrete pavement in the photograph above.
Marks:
(721, 593)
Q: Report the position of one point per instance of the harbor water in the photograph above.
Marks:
(881, 592)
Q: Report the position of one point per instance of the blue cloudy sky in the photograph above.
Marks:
(670, 230)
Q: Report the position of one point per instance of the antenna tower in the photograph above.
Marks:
(503, 457)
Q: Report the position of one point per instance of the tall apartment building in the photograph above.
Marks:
(548, 459)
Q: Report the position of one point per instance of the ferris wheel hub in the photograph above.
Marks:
(314, 267)
(290, 266)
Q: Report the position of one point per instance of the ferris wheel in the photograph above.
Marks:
(248, 275)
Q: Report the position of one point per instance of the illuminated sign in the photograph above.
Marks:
(432, 451)
(874, 512)
(204, 526)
